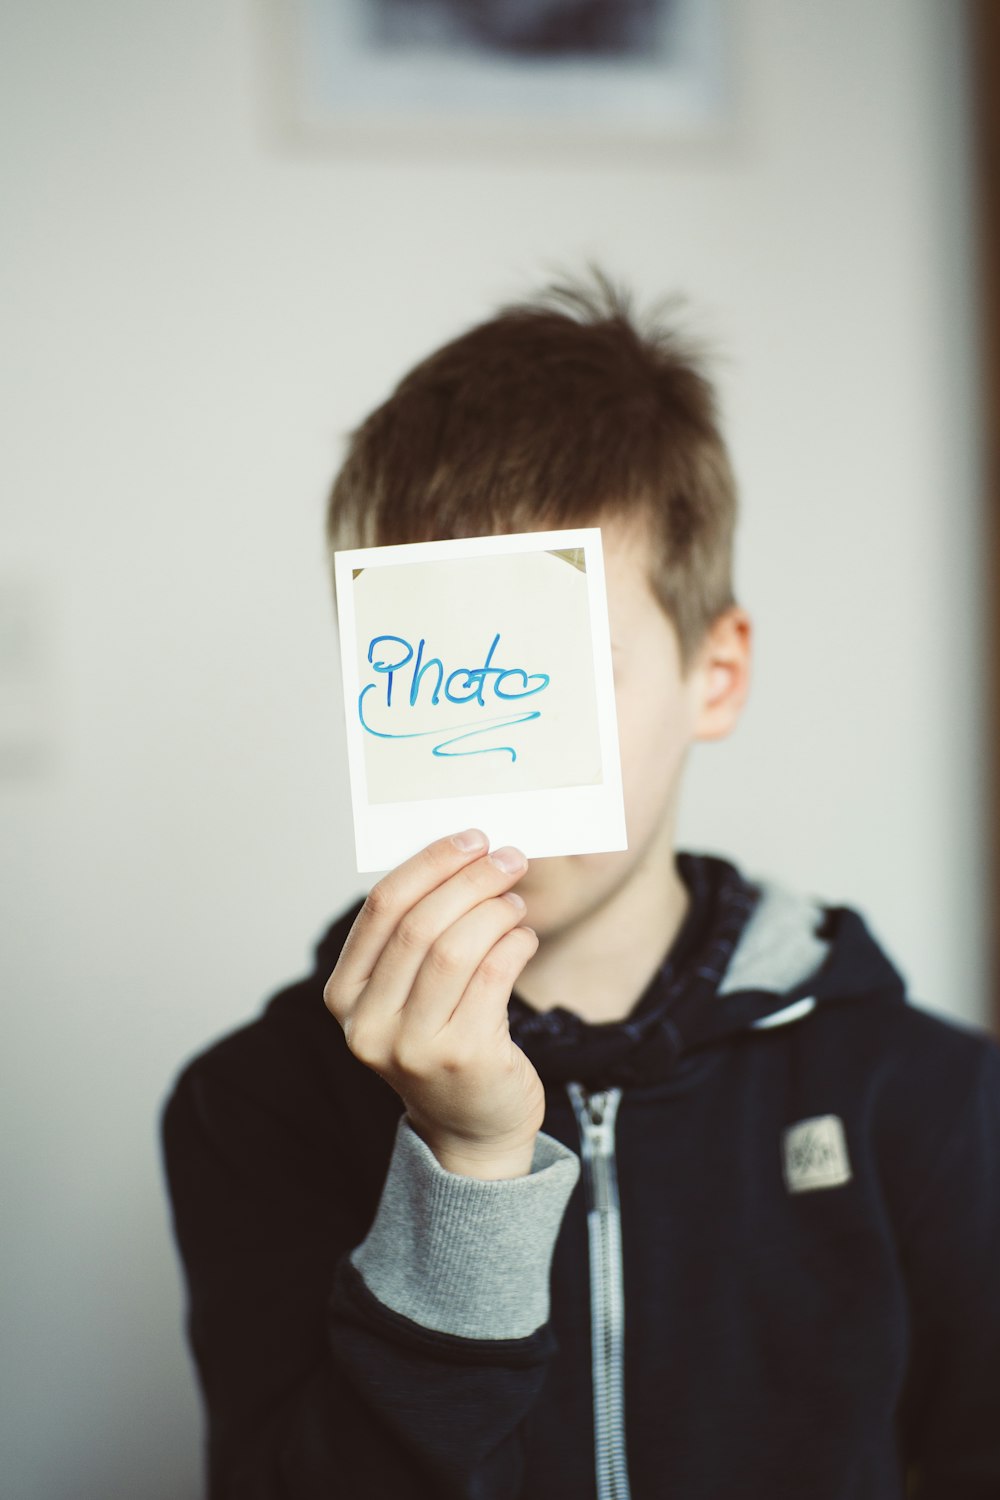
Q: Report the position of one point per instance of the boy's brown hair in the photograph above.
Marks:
(559, 411)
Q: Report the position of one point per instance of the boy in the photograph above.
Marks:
(621, 1175)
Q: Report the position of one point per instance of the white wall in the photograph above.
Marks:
(195, 313)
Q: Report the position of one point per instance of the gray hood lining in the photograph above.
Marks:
(778, 948)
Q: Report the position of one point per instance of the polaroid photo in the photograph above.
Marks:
(478, 691)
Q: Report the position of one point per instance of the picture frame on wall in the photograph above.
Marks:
(520, 72)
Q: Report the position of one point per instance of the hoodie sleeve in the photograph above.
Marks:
(950, 1245)
(340, 1359)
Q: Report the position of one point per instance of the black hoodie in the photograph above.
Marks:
(777, 1274)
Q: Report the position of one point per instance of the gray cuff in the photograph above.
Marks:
(463, 1255)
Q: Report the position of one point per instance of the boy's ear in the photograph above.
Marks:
(723, 674)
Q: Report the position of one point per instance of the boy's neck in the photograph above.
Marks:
(599, 967)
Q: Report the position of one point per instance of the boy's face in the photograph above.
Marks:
(660, 714)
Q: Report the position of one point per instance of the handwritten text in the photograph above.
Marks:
(411, 680)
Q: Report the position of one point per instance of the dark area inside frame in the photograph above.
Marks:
(550, 29)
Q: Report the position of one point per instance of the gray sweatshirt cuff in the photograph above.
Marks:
(462, 1255)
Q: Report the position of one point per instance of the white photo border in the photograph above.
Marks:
(564, 820)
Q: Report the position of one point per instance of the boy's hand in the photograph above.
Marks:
(421, 990)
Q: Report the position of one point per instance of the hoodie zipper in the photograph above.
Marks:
(595, 1116)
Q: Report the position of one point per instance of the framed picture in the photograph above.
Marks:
(505, 71)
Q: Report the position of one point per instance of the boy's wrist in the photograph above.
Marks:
(490, 1163)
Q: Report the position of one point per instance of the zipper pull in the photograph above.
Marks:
(596, 1116)
(598, 1125)
(595, 1105)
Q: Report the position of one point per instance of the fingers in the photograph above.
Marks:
(475, 944)
(388, 901)
(482, 1009)
(407, 912)
(422, 985)
(439, 942)
(425, 932)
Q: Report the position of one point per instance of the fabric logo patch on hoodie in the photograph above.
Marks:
(815, 1154)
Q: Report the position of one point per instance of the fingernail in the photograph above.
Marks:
(508, 860)
(515, 900)
(469, 840)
